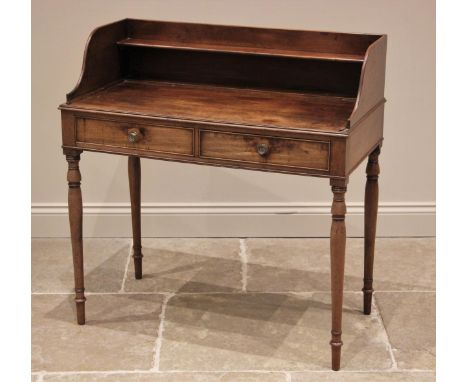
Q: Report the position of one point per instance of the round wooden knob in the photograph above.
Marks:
(134, 135)
(262, 149)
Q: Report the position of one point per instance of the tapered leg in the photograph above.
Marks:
(337, 260)
(134, 179)
(370, 223)
(75, 213)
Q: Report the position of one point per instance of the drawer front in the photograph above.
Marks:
(286, 152)
(142, 137)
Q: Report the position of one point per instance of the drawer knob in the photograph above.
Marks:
(262, 149)
(134, 135)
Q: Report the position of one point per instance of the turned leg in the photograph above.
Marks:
(370, 223)
(337, 260)
(75, 213)
(134, 179)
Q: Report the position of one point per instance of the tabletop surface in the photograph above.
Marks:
(248, 107)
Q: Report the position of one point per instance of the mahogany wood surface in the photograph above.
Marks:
(75, 213)
(102, 62)
(155, 138)
(278, 151)
(262, 39)
(372, 81)
(337, 264)
(221, 104)
(134, 180)
(287, 101)
(245, 49)
(371, 201)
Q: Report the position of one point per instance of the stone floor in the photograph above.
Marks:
(225, 310)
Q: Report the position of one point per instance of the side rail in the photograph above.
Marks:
(101, 62)
(372, 82)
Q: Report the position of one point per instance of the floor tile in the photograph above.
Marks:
(120, 332)
(281, 265)
(409, 319)
(104, 263)
(169, 377)
(363, 377)
(230, 336)
(405, 264)
(188, 265)
(267, 332)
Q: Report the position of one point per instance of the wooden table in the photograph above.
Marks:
(296, 102)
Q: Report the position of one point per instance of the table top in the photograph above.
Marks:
(219, 104)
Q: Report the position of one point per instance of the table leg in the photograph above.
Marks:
(337, 261)
(75, 213)
(370, 223)
(134, 179)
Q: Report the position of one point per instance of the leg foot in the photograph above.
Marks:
(367, 299)
(80, 306)
(370, 224)
(336, 351)
(138, 263)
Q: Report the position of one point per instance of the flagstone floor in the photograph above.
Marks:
(225, 310)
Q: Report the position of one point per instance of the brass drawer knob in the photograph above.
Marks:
(262, 149)
(134, 135)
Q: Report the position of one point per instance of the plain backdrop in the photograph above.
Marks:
(60, 29)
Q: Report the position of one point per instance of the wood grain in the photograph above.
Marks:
(372, 82)
(223, 105)
(363, 138)
(154, 138)
(259, 38)
(284, 152)
(371, 202)
(75, 213)
(253, 50)
(134, 180)
(102, 61)
(337, 264)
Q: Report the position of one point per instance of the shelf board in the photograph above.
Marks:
(193, 46)
(218, 104)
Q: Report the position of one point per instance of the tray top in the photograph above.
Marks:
(248, 107)
(288, 79)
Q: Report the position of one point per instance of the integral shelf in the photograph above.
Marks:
(193, 46)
